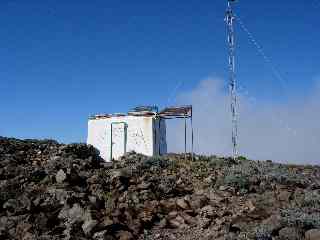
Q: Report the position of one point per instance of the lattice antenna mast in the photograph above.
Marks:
(230, 19)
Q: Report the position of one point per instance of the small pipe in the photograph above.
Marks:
(185, 138)
(192, 138)
(159, 126)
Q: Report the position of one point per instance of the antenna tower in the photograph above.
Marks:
(230, 19)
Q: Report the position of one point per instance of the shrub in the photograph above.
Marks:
(282, 175)
(311, 199)
(263, 233)
(108, 200)
(242, 158)
(298, 218)
(240, 182)
(238, 176)
(217, 162)
(173, 165)
(200, 168)
(156, 162)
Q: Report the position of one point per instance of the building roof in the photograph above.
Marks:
(151, 111)
(177, 112)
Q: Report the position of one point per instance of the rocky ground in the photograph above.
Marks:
(55, 191)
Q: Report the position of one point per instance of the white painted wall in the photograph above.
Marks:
(145, 135)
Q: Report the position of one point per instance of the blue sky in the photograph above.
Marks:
(64, 60)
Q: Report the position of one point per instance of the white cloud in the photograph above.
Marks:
(288, 133)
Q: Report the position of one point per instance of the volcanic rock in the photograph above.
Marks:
(51, 191)
(313, 234)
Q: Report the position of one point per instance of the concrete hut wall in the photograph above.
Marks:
(145, 135)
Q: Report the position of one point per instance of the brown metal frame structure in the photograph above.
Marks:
(176, 112)
(184, 112)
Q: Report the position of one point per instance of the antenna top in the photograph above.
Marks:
(231, 2)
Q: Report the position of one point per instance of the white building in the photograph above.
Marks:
(142, 130)
(114, 135)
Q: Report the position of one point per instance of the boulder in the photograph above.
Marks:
(103, 235)
(207, 211)
(313, 234)
(10, 205)
(88, 225)
(182, 203)
(71, 215)
(177, 222)
(124, 235)
(61, 176)
(273, 222)
(289, 233)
